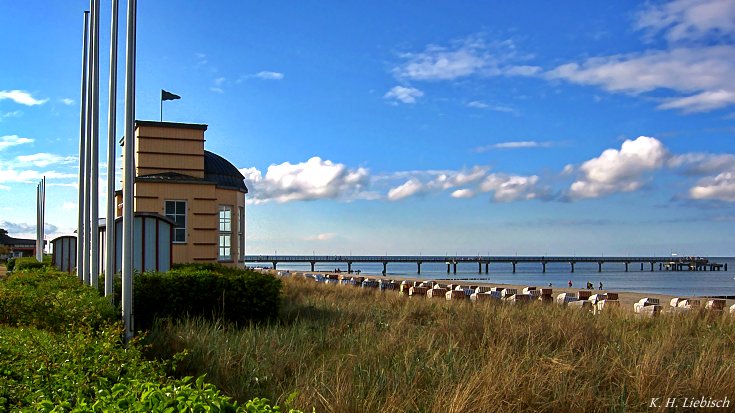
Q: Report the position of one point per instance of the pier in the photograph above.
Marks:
(484, 262)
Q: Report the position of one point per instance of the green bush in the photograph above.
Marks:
(238, 296)
(47, 299)
(28, 263)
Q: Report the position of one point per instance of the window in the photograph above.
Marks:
(241, 233)
(225, 232)
(176, 211)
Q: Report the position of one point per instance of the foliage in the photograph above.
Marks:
(45, 366)
(29, 263)
(238, 296)
(350, 349)
(11, 264)
(47, 299)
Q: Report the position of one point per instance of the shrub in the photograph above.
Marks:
(51, 300)
(238, 296)
(11, 264)
(30, 263)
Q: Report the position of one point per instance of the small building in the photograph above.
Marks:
(200, 191)
(11, 247)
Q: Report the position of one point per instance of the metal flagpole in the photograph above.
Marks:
(111, 119)
(43, 216)
(128, 186)
(38, 220)
(88, 152)
(81, 225)
(95, 147)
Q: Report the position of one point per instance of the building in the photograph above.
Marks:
(16, 247)
(200, 191)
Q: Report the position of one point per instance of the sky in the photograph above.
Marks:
(408, 127)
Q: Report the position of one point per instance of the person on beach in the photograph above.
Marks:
(601, 285)
(570, 283)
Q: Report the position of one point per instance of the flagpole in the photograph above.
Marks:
(88, 152)
(161, 108)
(128, 187)
(82, 161)
(111, 132)
(95, 188)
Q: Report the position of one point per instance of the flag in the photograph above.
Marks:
(168, 95)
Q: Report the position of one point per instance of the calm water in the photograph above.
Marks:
(613, 276)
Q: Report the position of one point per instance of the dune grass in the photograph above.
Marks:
(346, 349)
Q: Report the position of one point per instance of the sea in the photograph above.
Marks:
(613, 276)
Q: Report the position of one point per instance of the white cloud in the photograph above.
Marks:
(451, 179)
(13, 114)
(463, 193)
(43, 160)
(310, 180)
(268, 75)
(4, 188)
(67, 101)
(409, 188)
(619, 170)
(31, 176)
(476, 104)
(508, 188)
(702, 163)
(514, 145)
(404, 94)
(702, 102)
(322, 237)
(12, 140)
(689, 20)
(720, 187)
(21, 97)
(466, 57)
(69, 205)
(23, 230)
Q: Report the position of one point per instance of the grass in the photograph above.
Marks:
(345, 349)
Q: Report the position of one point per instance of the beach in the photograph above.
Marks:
(626, 298)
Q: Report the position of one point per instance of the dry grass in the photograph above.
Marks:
(345, 349)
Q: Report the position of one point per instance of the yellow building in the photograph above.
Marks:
(202, 192)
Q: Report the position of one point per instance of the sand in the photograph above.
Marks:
(626, 298)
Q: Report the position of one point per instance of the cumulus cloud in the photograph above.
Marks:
(21, 97)
(403, 94)
(268, 75)
(450, 179)
(619, 170)
(463, 193)
(702, 163)
(23, 230)
(409, 188)
(720, 187)
(462, 58)
(31, 176)
(702, 102)
(310, 180)
(12, 140)
(508, 188)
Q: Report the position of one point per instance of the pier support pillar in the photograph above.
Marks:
(599, 266)
(659, 266)
(385, 267)
(626, 267)
(312, 266)
(725, 266)
(572, 264)
(349, 267)
(641, 266)
(514, 267)
(651, 266)
(543, 266)
(455, 267)
(418, 264)
(487, 267)
(479, 267)
(448, 268)
(274, 264)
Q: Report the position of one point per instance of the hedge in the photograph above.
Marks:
(210, 290)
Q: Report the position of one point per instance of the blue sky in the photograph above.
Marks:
(410, 127)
